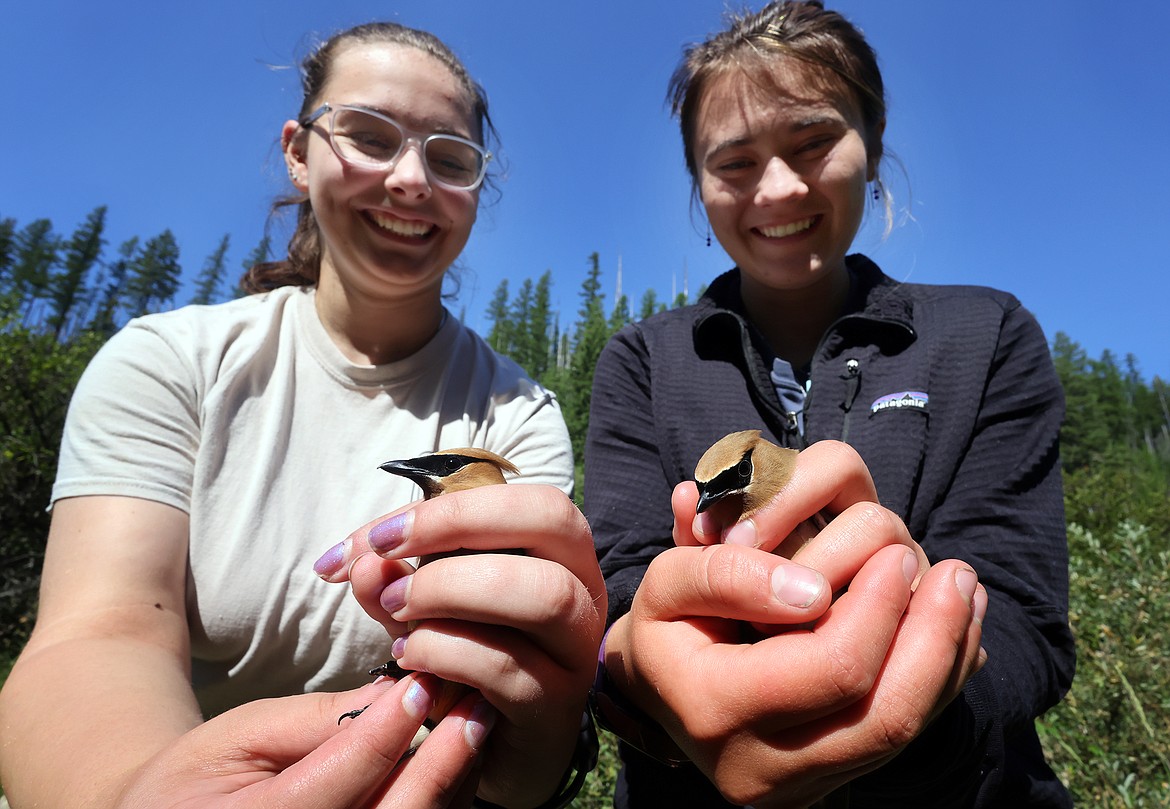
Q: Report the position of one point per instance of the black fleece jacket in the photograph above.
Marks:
(949, 395)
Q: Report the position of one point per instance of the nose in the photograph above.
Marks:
(779, 183)
(407, 177)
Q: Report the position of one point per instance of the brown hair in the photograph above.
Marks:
(752, 42)
(303, 264)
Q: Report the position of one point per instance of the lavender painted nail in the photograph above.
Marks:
(390, 533)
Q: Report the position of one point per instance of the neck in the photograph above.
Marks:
(792, 321)
(375, 332)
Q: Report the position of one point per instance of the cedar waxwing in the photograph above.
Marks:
(448, 470)
(741, 473)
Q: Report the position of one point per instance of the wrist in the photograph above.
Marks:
(616, 713)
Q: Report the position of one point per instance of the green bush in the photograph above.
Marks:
(37, 377)
(1109, 740)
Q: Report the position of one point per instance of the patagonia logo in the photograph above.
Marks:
(914, 399)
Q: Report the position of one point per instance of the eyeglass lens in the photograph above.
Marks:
(366, 139)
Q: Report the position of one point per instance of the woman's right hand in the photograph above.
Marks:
(292, 751)
(840, 684)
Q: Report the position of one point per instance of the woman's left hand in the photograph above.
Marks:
(522, 629)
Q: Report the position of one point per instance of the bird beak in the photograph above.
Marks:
(708, 499)
(408, 470)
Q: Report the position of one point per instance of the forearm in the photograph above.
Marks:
(79, 714)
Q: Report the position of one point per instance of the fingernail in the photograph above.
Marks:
(980, 602)
(398, 647)
(479, 724)
(331, 561)
(742, 533)
(797, 586)
(417, 701)
(910, 566)
(394, 596)
(389, 534)
(966, 581)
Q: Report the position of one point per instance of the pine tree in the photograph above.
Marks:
(210, 280)
(520, 348)
(105, 319)
(82, 251)
(34, 255)
(260, 254)
(154, 275)
(589, 339)
(499, 337)
(540, 318)
(8, 297)
(650, 305)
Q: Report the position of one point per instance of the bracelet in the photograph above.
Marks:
(626, 721)
(580, 765)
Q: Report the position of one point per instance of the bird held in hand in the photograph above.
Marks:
(439, 473)
(740, 474)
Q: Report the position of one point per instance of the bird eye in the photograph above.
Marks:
(452, 464)
(744, 470)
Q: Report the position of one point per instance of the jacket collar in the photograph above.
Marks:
(882, 306)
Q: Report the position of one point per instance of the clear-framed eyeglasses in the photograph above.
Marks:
(367, 139)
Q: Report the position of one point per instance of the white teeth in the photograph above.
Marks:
(400, 227)
(787, 230)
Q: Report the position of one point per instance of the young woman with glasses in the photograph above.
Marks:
(211, 454)
(928, 421)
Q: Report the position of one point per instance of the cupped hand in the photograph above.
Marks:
(292, 751)
(522, 629)
(840, 684)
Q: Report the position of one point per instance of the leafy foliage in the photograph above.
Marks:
(1109, 739)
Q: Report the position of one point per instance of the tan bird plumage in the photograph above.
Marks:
(740, 473)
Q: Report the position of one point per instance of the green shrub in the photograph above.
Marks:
(1109, 740)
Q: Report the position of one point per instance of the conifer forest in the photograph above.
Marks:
(62, 295)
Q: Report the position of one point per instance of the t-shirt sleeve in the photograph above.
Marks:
(133, 423)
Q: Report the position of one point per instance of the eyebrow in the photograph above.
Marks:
(795, 128)
(438, 129)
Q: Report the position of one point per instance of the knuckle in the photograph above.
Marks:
(848, 677)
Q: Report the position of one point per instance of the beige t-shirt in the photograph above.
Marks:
(247, 416)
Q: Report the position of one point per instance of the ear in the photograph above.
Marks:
(292, 143)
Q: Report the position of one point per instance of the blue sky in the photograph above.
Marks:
(1031, 139)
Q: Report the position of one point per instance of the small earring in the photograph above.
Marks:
(877, 193)
(708, 234)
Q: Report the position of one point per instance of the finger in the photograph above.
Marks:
(443, 772)
(350, 766)
(935, 650)
(727, 581)
(684, 501)
(538, 519)
(540, 600)
(852, 537)
(828, 478)
(782, 680)
(369, 577)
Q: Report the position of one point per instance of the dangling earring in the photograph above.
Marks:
(877, 192)
(708, 234)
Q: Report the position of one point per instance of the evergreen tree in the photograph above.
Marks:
(82, 251)
(154, 275)
(210, 280)
(500, 335)
(650, 305)
(620, 315)
(589, 339)
(105, 319)
(7, 247)
(8, 298)
(520, 348)
(35, 254)
(540, 318)
(260, 254)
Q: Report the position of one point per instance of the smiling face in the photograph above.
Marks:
(782, 170)
(390, 234)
